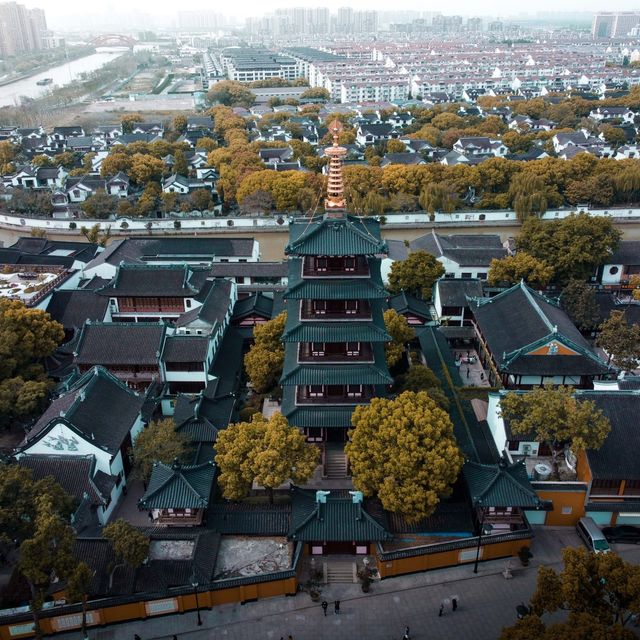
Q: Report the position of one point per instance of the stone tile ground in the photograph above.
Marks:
(487, 604)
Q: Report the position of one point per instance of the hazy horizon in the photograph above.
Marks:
(165, 11)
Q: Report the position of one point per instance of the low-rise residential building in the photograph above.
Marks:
(98, 416)
(525, 340)
(462, 255)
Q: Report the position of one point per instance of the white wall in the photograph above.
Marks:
(612, 278)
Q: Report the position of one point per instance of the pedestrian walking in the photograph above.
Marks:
(336, 607)
(325, 604)
(454, 602)
(441, 612)
(136, 637)
(406, 635)
(468, 368)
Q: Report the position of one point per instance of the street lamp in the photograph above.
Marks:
(486, 529)
(194, 584)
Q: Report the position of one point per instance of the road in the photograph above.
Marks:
(272, 243)
(487, 604)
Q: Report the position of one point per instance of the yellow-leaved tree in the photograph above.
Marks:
(269, 452)
(401, 333)
(265, 359)
(404, 452)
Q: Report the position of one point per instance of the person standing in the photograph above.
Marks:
(454, 602)
(336, 607)
(325, 604)
(441, 612)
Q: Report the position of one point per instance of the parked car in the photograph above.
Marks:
(622, 533)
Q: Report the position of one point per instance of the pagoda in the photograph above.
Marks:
(335, 333)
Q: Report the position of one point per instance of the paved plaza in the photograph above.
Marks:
(487, 604)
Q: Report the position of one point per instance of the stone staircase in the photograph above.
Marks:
(340, 572)
(335, 465)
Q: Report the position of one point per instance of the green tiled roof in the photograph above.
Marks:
(348, 236)
(499, 485)
(320, 416)
(337, 520)
(179, 486)
(324, 331)
(336, 290)
(335, 374)
(335, 332)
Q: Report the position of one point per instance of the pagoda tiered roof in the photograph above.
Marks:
(335, 374)
(344, 236)
(372, 330)
(335, 288)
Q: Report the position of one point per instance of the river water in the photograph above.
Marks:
(63, 74)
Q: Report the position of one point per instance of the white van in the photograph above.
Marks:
(592, 536)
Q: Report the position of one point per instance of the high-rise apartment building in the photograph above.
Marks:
(199, 20)
(317, 20)
(614, 24)
(21, 29)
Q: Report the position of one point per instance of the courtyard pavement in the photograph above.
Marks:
(486, 604)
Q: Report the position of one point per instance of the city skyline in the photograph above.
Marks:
(255, 8)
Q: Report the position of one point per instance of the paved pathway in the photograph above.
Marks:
(487, 603)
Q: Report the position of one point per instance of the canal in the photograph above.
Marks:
(63, 74)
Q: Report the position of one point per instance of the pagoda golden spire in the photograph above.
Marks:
(334, 202)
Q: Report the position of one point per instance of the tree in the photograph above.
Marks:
(257, 202)
(420, 378)
(316, 93)
(159, 442)
(575, 245)
(201, 199)
(556, 417)
(521, 266)
(66, 159)
(170, 201)
(114, 162)
(268, 452)
(401, 333)
(100, 205)
(395, 146)
(95, 235)
(179, 123)
(578, 299)
(180, 165)
(47, 554)
(230, 93)
(78, 585)
(578, 626)
(145, 168)
(130, 545)
(404, 452)
(18, 501)
(600, 592)
(265, 358)
(8, 152)
(129, 121)
(621, 341)
(417, 274)
(27, 336)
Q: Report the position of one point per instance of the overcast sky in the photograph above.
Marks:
(56, 10)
